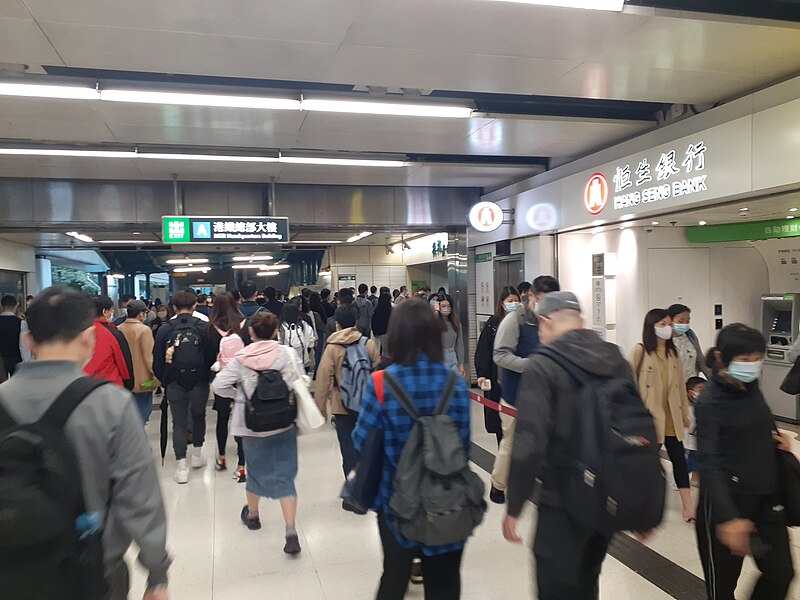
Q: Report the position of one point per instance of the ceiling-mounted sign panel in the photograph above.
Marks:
(225, 230)
(743, 232)
(485, 217)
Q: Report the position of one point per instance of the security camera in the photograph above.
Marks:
(648, 229)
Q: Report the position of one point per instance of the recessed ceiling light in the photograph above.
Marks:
(252, 258)
(701, 223)
(655, 223)
(792, 210)
(744, 209)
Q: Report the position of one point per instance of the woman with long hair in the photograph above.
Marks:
(659, 374)
(485, 367)
(317, 314)
(163, 315)
(271, 455)
(296, 332)
(740, 499)
(452, 334)
(225, 332)
(380, 321)
(415, 348)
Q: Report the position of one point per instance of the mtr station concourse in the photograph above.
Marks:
(239, 241)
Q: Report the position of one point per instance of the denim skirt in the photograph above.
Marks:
(272, 464)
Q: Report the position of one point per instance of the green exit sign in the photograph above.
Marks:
(177, 230)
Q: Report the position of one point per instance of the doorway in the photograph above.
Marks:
(508, 271)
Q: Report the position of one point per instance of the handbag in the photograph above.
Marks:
(789, 478)
(309, 417)
(791, 383)
(362, 485)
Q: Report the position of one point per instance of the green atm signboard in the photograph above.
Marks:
(225, 230)
(741, 232)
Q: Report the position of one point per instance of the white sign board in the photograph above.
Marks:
(485, 217)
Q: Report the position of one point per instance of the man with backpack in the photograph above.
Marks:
(517, 338)
(182, 359)
(587, 445)
(77, 478)
(342, 377)
(365, 310)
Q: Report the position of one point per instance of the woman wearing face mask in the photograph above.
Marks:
(659, 375)
(163, 315)
(686, 343)
(452, 335)
(485, 367)
(740, 504)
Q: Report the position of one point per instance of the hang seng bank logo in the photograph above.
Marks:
(595, 195)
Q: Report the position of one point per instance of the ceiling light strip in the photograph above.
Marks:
(33, 90)
(612, 5)
(400, 109)
(186, 261)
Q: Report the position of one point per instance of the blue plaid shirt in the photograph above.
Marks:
(424, 383)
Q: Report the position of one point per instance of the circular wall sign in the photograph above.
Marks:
(485, 217)
(595, 194)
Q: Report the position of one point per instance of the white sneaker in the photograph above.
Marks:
(198, 460)
(182, 472)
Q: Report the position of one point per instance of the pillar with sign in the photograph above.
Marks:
(604, 295)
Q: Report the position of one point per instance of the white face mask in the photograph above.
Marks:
(445, 310)
(511, 306)
(665, 333)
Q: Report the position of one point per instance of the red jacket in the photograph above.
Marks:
(107, 361)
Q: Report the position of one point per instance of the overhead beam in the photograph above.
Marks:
(780, 10)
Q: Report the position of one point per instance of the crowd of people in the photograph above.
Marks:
(388, 369)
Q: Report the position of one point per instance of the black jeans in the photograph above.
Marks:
(677, 456)
(181, 402)
(569, 557)
(118, 582)
(441, 574)
(344, 431)
(224, 407)
(771, 550)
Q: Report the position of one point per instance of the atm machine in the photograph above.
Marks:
(780, 315)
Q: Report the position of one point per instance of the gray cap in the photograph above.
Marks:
(555, 301)
(136, 307)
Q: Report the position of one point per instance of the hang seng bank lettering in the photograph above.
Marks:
(672, 176)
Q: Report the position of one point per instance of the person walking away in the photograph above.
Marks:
(568, 550)
(659, 375)
(452, 335)
(182, 359)
(517, 338)
(694, 388)
(343, 298)
(111, 359)
(225, 334)
(12, 348)
(365, 310)
(139, 338)
(373, 296)
(741, 509)
(403, 295)
(248, 306)
(380, 322)
(202, 305)
(311, 333)
(110, 485)
(262, 375)
(686, 343)
(415, 347)
(346, 364)
(327, 305)
(273, 305)
(485, 368)
(318, 315)
(296, 333)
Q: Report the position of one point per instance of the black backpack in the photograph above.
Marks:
(272, 406)
(43, 555)
(188, 357)
(616, 482)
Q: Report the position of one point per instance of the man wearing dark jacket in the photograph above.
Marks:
(568, 554)
(248, 307)
(186, 388)
(272, 304)
(327, 305)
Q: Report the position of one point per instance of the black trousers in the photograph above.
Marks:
(677, 456)
(118, 582)
(569, 557)
(441, 574)
(344, 431)
(770, 546)
(224, 407)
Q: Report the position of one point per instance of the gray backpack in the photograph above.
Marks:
(437, 499)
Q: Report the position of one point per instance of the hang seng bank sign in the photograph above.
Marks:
(675, 173)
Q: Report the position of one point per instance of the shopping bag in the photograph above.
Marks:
(309, 417)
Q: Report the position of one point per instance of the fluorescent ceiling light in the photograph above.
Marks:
(792, 210)
(360, 236)
(249, 258)
(275, 267)
(267, 273)
(62, 152)
(655, 223)
(192, 99)
(186, 261)
(324, 273)
(316, 242)
(701, 223)
(118, 276)
(616, 5)
(137, 242)
(191, 270)
(79, 236)
(33, 90)
(251, 266)
(387, 108)
(745, 209)
(209, 157)
(340, 162)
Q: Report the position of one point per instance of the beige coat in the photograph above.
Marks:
(329, 372)
(647, 370)
(140, 340)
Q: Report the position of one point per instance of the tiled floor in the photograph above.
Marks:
(217, 558)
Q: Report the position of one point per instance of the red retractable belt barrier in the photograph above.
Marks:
(506, 410)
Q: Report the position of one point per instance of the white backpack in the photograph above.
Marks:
(294, 336)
